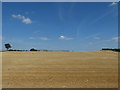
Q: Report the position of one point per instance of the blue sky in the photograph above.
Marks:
(74, 26)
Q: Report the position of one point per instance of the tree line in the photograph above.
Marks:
(115, 49)
(8, 46)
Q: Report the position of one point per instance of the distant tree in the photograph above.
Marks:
(10, 50)
(7, 46)
(32, 49)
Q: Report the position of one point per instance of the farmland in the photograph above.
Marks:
(77, 69)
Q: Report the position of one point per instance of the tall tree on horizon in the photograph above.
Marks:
(7, 46)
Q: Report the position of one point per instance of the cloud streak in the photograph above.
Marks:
(22, 18)
(105, 14)
(44, 38)
(65, 38)
(31, 38)
(116, 38)
(60, 14)
(113, 4)
(97, 38)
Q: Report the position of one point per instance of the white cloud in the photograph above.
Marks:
(60, 14)
(31, 38)
(27, 21)
(23, 18)
(116, 38)
(97, 38)
(65, 38)
(101, 17)
(14, 16)
(44, 38)
(109, 12)
(113, 4)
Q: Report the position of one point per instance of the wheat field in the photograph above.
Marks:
(77, 69)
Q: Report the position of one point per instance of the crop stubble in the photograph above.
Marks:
(77, 69)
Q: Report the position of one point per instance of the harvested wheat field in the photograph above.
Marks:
(77, 69)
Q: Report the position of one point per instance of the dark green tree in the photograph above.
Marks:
(32, 49)
(7, 46)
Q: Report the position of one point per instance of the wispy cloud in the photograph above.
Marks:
(44, 38)
(80, 26)
(60, 14)
(65, 38)
(96, 38)
(23, 18)
(101, 17)
(70, 11)
(31, 38)
(36, 32)
(113, 39)
(113, 4)
(105, 14)
(116, 38)
(40, 38)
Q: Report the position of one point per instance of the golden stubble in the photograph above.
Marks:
(77, 69)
